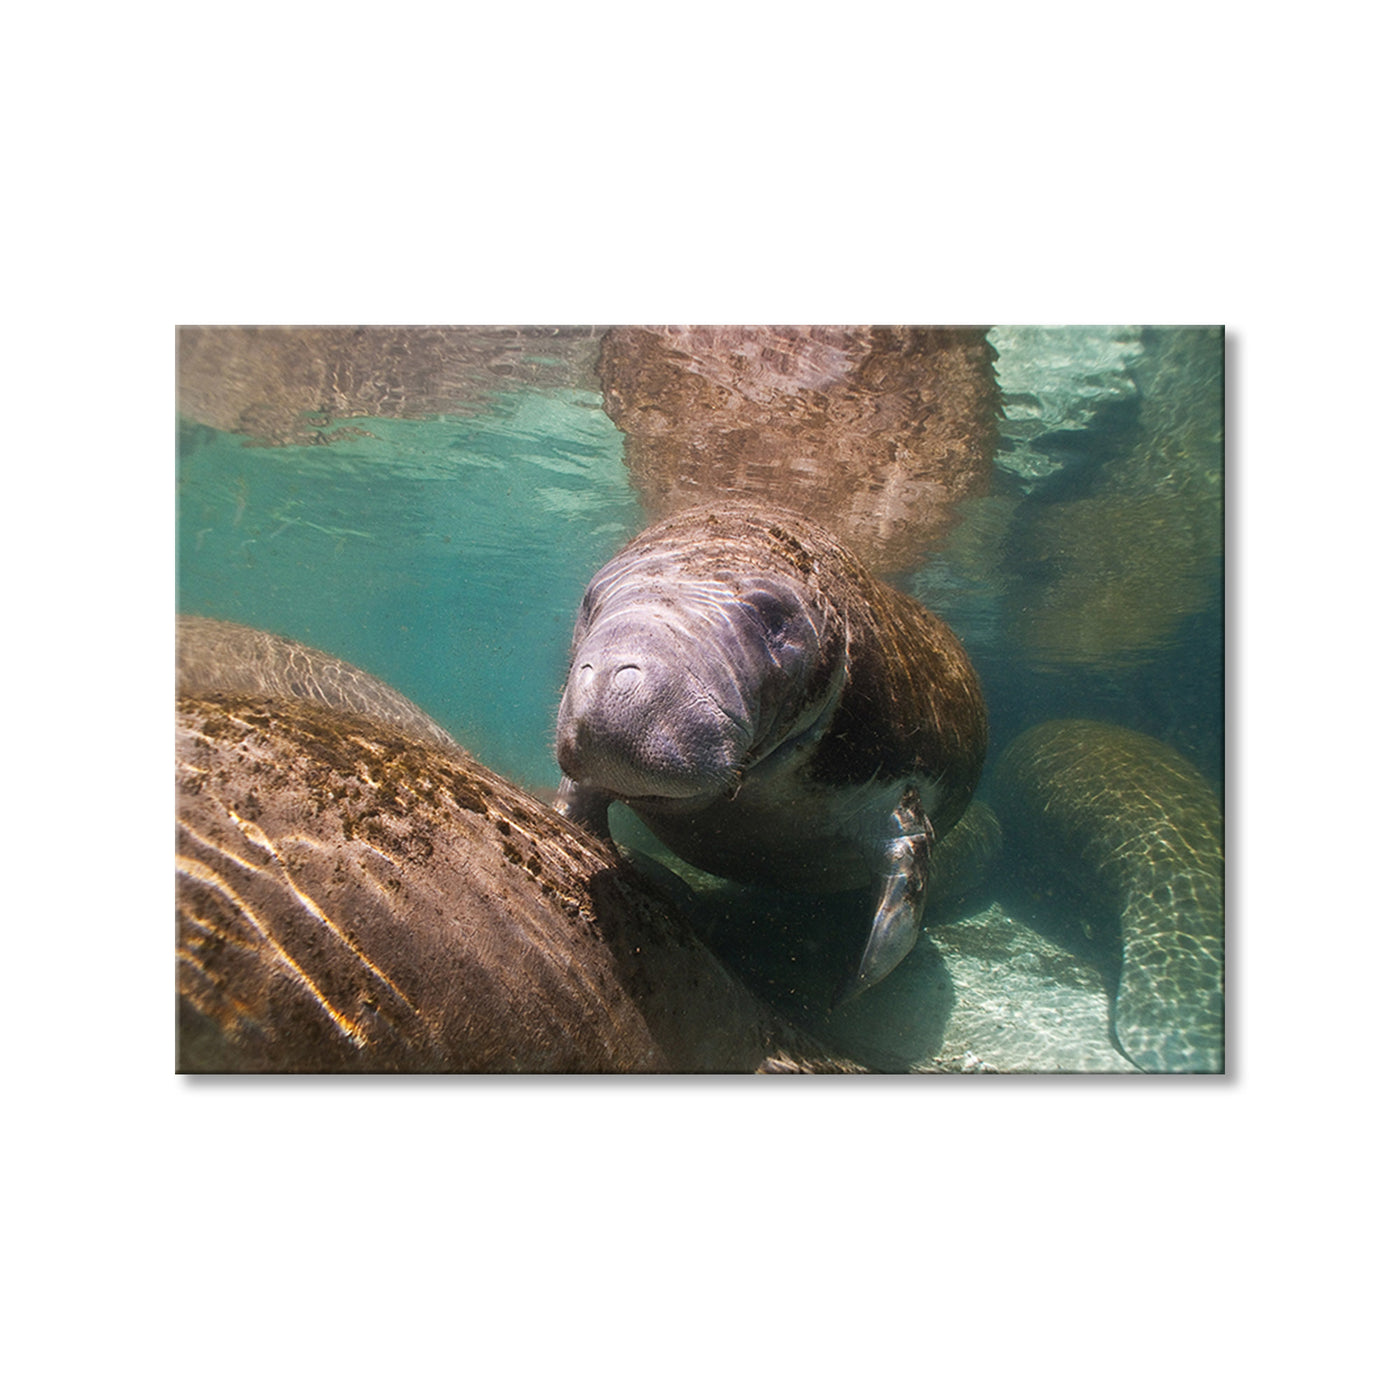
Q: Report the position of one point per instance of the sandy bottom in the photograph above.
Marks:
(985, 994)
(984, 991)
(981, 993)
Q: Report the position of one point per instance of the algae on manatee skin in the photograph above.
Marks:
(353, 900)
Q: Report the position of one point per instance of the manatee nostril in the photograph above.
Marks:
(626, 677)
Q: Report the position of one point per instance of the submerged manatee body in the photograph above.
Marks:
(1130, 820)
(903, 420)
(356, 896)
(227, 658)
(773, 712)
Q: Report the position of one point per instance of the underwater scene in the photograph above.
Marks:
(705, 699)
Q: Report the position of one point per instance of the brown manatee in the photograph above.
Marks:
(878, 433)
(1129, 820)
(227, 658)
(773, 713)
(354, 897)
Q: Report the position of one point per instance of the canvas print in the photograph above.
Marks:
(700, 699)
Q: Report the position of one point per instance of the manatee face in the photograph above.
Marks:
(677, 684)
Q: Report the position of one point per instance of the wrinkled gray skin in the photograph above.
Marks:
(773, 713)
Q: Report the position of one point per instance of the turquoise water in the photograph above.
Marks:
(446, 553)
(446, 556)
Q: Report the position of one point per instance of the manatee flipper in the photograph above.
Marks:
(901, 890)
(586, 807)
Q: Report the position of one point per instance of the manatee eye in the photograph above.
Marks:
(590, 601)
(773, 612)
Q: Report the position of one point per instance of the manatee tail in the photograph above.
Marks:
(1169, 1015)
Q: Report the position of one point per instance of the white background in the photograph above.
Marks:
(1204, 162)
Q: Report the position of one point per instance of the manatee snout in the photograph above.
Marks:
(637, 721)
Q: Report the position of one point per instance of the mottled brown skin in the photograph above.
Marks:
(352, 900)
(227, 658)
(1131, 821)
(912, 702)
(876, 432)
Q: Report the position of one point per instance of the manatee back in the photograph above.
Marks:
(1130, 813)
(226, 658)
(352, 900)
(912, 703)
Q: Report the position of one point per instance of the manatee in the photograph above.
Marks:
(773, 713)
(352, 899)
(882, 432)
(356, 893)
(1134, 824)
(226, 658)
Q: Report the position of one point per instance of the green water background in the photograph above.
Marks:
(446, 556)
